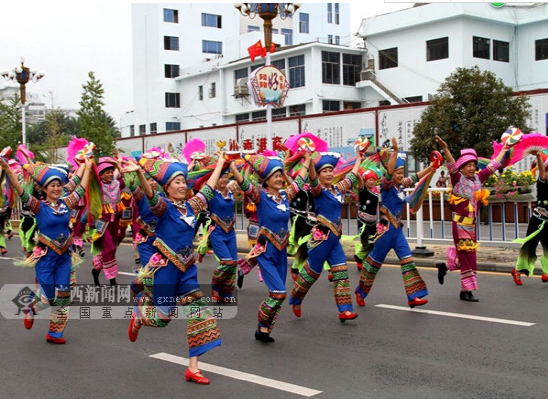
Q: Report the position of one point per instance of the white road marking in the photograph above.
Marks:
(239, 375)
(459, 315)
(127, 274)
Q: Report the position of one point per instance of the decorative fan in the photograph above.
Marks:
(529, 143)
(293, 142)
(361, 145)
(511, 137)
(193, 146)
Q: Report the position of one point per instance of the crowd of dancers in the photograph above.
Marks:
(294, 204)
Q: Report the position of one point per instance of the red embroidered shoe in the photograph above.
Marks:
(29, 318)
(196, 377)
(517, 277)
(215, 296)
(58, 341)
(330, 276)
(360, 266)
(133, 329)
(544, 278)
(359, 298)
(4, 251)
(296, 310)
(348, 315)
(417, 302)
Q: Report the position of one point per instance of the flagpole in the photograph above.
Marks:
(268, 111)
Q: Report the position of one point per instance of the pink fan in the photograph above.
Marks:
(293, 142)
(529, 143)
(193, 146)
(24, 155)
(306, 143)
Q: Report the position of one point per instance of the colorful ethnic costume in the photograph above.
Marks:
(78, 225)
(464, 204)
(270, 251)
(147, 226)
(5, 227)
(367, 221)
(106, 237)
(222, 237)
(302, 220)
(171, 274)
(52, 257)
(324, 243)
(390, 236)
(537, 231)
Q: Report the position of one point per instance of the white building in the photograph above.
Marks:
(413, 51)
(172, 42)
(34, 106)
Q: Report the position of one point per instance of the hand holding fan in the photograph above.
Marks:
(436, 159)
(306, 143)
(511, 137)
(361, 145)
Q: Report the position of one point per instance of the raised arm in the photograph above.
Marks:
(447, 154)
(212, 181)
(11, 176)
(236, 173)
(391, 166)
(134, 167)
(541, 168)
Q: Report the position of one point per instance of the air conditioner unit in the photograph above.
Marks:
(367, 75)
(241, 89)
(207, 59)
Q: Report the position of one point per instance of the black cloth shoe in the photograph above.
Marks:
(95, 274)
(263, 337)
(240, 280)
(468, 296)
(442, 271)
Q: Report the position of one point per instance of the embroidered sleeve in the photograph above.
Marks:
(72, 184)
(31, 202)
(293, 188)
(157, 204)
(489, 170)
(410, 180)
(200, 201)
(315, 187)
(387, 182)
(348, 182)
(138, 194)
(250, 191)
(74, 197)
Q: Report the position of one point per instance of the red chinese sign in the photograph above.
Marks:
(269, 85)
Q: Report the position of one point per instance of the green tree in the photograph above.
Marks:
(10, 123)
(94, 123)
(471, 109)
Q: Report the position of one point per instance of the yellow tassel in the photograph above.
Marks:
(126, 196)
(251, 207)
(455, 200)
(481, 196)
(468, 245)
(120, 207)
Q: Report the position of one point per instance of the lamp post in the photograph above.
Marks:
(22, 75)
(267, 12)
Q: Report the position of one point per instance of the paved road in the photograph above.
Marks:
(388, 352)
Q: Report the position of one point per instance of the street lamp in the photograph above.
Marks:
(267, 12)
(22, 75)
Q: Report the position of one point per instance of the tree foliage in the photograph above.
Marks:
(10, 123)
(95, 123)
(471, 109)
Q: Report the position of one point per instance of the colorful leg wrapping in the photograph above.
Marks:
(202, 331)
(414, 285)
(269, 309)
(59, 314)
(147, 314)
(341, 288)
(367, 276)
(306, 278)
(224, 278)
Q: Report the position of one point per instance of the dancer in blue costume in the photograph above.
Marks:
(390, 236)
(172, 268)
(324, 244)
(270, 251)
(51, 257)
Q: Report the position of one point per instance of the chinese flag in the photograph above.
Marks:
(256, 50)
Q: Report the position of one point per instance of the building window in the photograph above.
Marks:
(173, 100)
(253, 28)
(171, 43)
(303, 23)
(501, 51)
(280, 64)
(288, 33)
(275, 31)
(337, 40)
(131, 130)
(481, 47)
(330, 106)
(171, 71)
(170, 126)
(214, 21)
(541, 49)
(258, 116)
(200, 93)
(297, 110)
(240, 74)
(388, 58)
(352, 66)
(171, 15)
(330, 39)
(212, 90)
(211, 47)
(351, 105)
(242, 118)
(337, 15)
(384, 103)
(278, 113)
(296, 71)
(142, 130)
(331, 64)
(415, 99)
(437, 49)
(329, 13)
(153, 128)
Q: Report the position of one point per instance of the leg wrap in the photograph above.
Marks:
(305, 279)
(224, 278)
(59, 314)
(414, 285)
(202, 331)
(269, 309)
(341, 287)
(367, 276)
(147, 314)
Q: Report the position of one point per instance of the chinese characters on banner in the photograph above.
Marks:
(269, 86)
